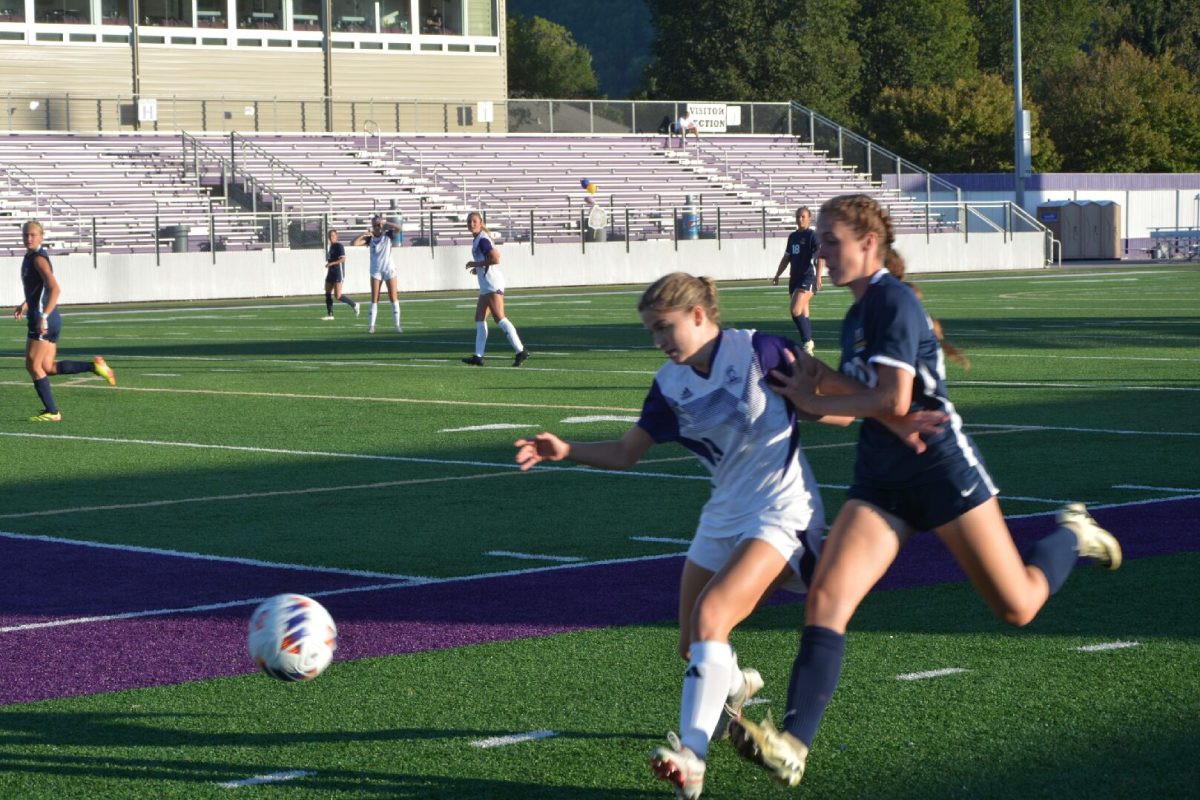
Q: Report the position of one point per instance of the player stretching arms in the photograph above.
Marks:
(335, 276)
(41, 305)
(485, 266)
(379, 239)
(761, 527)
(804, 280)
(892, 363)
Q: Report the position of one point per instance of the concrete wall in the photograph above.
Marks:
(194, 276)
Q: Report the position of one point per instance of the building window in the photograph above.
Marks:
(211, 14)
(12, 11)
(67, 12)
(481, 18)
(306, 15)
(354, 16)
(113, 12)
(440, 17)
(260, 14)
(166, 13)
(395, 16)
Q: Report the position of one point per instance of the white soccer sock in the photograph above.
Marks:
(396, 313)
(705, 689)
(510, 331)
(736, 679)
(480, 338)
(374, 313)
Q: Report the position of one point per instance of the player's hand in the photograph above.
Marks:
(801, 384)
(543, 447)
(775, 281)
(915, 424)
(19, 311)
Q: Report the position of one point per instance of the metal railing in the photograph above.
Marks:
(226, 229)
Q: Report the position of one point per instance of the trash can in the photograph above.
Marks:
(689, 220)
(179, 237)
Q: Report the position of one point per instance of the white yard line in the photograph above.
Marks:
(250, 562)
(1155, 488)
(501, 741)
(659, 540)
(1099, 648)
(543, 470)
(274, 777)
(378, 587)
(533, 556)
(255, 495)
(933, 673)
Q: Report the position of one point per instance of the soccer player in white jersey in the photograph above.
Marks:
(379, 239)
(892, 363)
(761, 527)
(485, 266)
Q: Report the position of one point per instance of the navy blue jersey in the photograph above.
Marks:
(802, 250)
(889, 326)
(336, 251)
(37, 292)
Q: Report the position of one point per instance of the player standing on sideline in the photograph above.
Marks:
(379, 239)
(893, 363)
(335, 276)
(804, 280)
(485, 265)
(761, 527)
(41, 305)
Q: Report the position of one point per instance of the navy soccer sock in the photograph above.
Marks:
(43, 389)
(1055, 556)
(329, 303)
(346, 299)
(804, 325)
(815, 675)
(72, 367)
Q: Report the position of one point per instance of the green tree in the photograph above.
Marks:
(767, 50)
(1163, 27)
(918, 43)
(544, 60)
(1052, 33)
(966, 126)
(1121, 111)
(620, 47)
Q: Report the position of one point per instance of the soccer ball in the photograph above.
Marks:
(292, 637)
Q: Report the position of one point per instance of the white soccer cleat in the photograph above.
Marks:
(753, 684)
(782, 755)
(327, 318)
(810, 347)
(678, 765)
(1093, 541)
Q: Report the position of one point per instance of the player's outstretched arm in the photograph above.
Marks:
(612, 454)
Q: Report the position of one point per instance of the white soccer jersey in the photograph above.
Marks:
(381, 257)
(744, 433)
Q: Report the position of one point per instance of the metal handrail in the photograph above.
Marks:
(276, 162)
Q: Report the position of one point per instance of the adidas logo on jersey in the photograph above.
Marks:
(685, 394)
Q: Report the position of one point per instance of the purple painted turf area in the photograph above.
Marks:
(45, 581)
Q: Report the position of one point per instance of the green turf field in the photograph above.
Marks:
(253, 429)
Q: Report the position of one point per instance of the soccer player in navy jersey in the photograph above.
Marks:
(45, 324)
(804, 279)
(892, 363)
(335, 276)
(761, 527)
(485, 266)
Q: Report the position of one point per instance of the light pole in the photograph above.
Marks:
(1021, 145)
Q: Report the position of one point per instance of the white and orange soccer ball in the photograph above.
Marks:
(292, 637)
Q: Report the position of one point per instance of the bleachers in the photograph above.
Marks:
(520, 182)
(123, 183)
